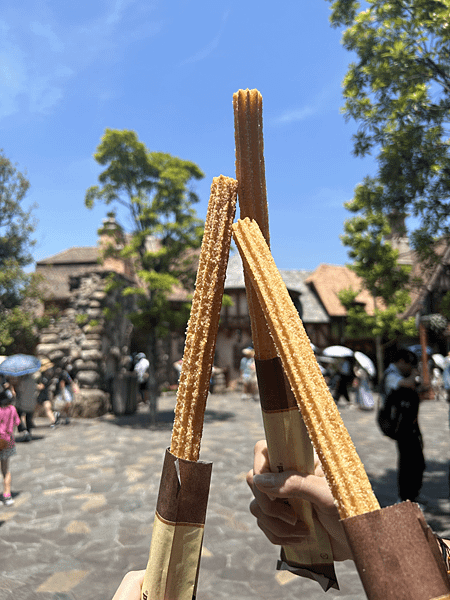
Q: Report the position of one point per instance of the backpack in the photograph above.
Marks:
(390, 416)
(398, 414)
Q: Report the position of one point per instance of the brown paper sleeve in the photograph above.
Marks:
(396, 554)
(289, 447)
(174, 560)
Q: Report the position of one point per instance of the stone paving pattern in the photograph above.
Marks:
(85, 497)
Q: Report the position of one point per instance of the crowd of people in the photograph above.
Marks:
(48, 390)
(272, 491)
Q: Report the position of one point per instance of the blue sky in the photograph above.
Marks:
(168, 70)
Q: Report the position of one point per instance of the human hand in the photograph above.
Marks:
(277, 519)
(130, 587)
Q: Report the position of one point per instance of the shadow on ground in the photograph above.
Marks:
(164, 419)
(435, 492)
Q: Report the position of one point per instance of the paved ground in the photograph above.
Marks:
(85, 496)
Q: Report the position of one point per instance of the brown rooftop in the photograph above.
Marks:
(76, 255)
(329, 280)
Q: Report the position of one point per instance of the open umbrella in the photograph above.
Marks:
(19, 364)
(417, 349)
(338, 352)
(366, 363)
(439, 360)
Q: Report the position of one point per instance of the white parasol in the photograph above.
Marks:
(439, 360)
(366, 363)
(338, 352)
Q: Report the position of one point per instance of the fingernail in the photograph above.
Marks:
(290, 519)
(266, 480)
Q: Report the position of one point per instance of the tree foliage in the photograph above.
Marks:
(376, 262)
(18, 324)
(156, 190)
(398, 92)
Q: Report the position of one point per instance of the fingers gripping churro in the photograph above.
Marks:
(204, 321)
(344, 471)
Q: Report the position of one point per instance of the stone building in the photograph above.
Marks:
(90, 331)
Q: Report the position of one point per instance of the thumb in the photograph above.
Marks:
(292, 484)
(280, 485)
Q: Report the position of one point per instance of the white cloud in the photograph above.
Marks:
(13, 78)
(317, 105)
(46, 32)
(210, 47)
(295, 115)
(40, 51)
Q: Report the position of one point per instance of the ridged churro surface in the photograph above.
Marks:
(251, 177)
(250, 168)
(343, 468)
(203, 324)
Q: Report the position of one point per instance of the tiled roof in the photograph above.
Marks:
(76, 255)
(313, 311)
(329, 280)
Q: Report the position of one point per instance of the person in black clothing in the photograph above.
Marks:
(43, 384)
(400, 386)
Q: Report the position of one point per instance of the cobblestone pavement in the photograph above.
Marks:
(85, 497)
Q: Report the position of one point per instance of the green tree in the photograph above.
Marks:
(156, 190)
(375, 261)
(398, 92)
(18, 325)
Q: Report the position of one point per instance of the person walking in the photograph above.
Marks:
(25, 402)
(247, 370)
(399, 387)
(141, 368)
(8, 420)
(345, 378)
(43, 385)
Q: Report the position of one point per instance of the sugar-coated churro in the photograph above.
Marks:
(343, 468)
(250, 174)
(250, 169)
(287, 439)
(204, 321)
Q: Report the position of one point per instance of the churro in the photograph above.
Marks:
(289, 446)
(250, 174)
(204, 321)
(343, 468)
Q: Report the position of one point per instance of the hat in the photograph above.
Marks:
(140, 355)
(46, 364)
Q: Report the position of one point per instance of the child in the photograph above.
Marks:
(8, 420)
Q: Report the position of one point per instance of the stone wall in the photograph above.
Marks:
(94, 347)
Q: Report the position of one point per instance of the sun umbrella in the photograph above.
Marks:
(417, 349)
(337, 352)
(325, 359)
(439, 360)
(366, 363)
(19, 364)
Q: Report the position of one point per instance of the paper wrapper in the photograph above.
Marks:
(177, 530)
(289, 447)
(396, 554)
